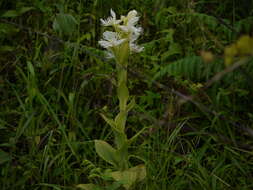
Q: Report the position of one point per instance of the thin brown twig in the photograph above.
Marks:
(227, 70)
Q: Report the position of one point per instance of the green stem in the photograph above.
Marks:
(120, 137)
(123, 95)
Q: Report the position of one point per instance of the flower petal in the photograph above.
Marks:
(110, 21)
(105, 44)
(135, 48)
(111, 39)
(132, 21)
(131, 14)
(113, 14)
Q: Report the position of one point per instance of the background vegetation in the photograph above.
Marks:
(54, 82)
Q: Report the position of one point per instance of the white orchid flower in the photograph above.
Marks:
(133, 37)
(129, 23)
(125, 31)
(110, 39)
(110, 21)
(135, 48)
(131, 15)
(129, 28)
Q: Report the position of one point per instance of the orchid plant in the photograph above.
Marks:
(120, 44)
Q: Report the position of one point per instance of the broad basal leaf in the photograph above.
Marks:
(130, 176)
(89, 186)
(107, 152)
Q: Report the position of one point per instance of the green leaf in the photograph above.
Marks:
(7, 30)
(123, 95)
(16, 13)
(23, 10)
(169, 35)
(53, 186)
(120, 139)
(191, 67)
(4, 157)
(31, 68)
(111, 123)
(174, 49)
(86, 36)
(89, 186)
(130, 105)
(65, 23)
(10, 13)
(120, 121)
(120, 136)
(136, 135)
(6, 48)
(130, 176)
(107, 152)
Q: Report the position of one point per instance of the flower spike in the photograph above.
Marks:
(125, 31)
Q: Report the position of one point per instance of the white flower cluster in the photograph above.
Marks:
(125, 31)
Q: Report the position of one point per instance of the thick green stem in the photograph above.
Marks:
(123, 95)
(120, 137)
(122, 89)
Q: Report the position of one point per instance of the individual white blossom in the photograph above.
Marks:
(135, 48)
(110, 21)
(133, 37)
(129, 28)
(129, 23)
(110, 39)
(131, 15)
